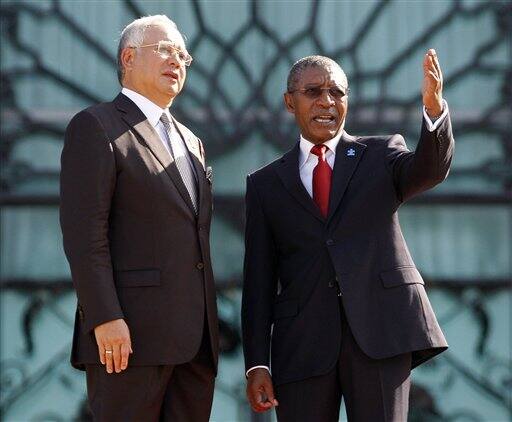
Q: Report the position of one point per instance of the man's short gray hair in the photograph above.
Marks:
(310, 61)
(133, 36)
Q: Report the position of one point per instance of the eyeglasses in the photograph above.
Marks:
(167, 49)
(315, 92)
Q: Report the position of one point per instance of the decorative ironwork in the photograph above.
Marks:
(212, 113)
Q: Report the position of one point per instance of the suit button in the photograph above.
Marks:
(331, 284)
(329, 242)
(199, 228)
(200, 266)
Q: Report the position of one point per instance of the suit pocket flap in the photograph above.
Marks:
(401, 276)
(137, 278)
(286, 308)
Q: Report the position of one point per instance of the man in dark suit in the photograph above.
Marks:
(333, 304)
(135, 214)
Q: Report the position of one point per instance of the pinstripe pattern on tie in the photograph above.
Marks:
(182, 163)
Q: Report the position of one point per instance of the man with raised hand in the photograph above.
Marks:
(135, 214)
(333, 305)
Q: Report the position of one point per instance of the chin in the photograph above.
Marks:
(174, 90)
(324, 136)
(171, 93)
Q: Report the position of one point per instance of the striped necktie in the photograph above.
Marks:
(182, 162)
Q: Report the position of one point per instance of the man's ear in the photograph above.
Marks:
(127, 57)
(288, 102)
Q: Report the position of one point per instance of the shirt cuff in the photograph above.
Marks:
(431, 126)
(258, 366)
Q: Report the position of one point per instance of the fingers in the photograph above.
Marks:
(269, 390)
(431, 63)
(117, 357)
(109, 359)
(114, 345)
(261, 396)
(259, 402)
(125, 354)
(255, 401)
(438, 67)
(433, 75)
(101, 352)
(435, 62)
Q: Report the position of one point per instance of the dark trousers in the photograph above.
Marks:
(154, 393)
(373, 390)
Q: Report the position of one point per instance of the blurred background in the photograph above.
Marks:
(58, 57)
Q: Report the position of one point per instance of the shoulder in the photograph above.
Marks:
(381, 142)
(93, 117)
(377, 140)
(268, 171)
(94, 126)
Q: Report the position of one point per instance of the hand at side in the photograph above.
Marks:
(260, 391)
(114, 345)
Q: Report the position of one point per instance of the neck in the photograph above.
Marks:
(160, 101)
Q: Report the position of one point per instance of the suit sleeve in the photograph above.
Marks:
(429, 165)
(87, 181)
(260, 282)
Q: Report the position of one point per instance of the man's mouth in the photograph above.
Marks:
(324, 118)
(171, 75)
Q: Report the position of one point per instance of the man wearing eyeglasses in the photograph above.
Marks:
(135, 214)
(333, 305)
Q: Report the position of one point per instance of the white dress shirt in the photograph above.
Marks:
(153, 114)
(308, 161)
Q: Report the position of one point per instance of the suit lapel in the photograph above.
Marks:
(288, 170)
(137, 120)
(197, 160)
(348, 154)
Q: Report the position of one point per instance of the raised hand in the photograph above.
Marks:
(432, 84)
(114, 345)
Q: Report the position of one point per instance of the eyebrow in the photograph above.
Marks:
(316, 85)
(171, 42)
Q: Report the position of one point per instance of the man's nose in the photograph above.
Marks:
(173, 60)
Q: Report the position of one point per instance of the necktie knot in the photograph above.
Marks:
(319, 151)
(165, 119)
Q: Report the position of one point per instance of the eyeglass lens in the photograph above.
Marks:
(315, 92)
(167, 50)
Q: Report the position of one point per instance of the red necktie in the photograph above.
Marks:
(322, 174)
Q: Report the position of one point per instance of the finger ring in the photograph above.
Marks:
(108, 351)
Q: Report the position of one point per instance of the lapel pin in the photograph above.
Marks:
(351, 152)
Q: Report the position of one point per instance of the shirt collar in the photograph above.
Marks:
(305, 147)
(149, 108)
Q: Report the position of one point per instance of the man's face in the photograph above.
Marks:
(157, 78)
(321, 117)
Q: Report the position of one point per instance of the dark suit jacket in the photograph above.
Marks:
(135, 246)
(296, 260)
